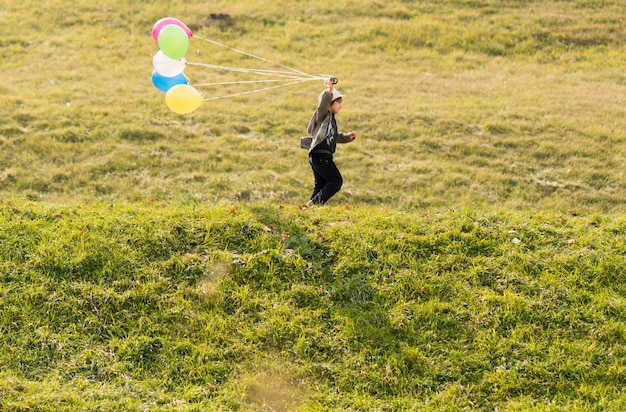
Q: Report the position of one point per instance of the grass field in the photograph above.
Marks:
(518, 104)
(152, 307)
(473, 260)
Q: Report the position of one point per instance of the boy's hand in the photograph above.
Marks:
(352, 135)
(332, 81)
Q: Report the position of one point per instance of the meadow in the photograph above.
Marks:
(473, 260)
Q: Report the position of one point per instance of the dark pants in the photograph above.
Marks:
(328, 179)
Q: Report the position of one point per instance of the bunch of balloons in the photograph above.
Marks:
(172, 36)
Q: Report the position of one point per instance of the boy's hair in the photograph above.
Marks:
(338, 99)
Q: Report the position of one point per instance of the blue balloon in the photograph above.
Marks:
(165, 83)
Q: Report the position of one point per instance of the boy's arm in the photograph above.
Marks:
(322, 109)
(346, 137)
(331, 82)
(324, 99)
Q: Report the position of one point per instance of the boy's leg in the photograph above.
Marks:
(319, 182)
(329, 177)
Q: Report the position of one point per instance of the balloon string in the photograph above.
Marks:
(213, 66)
(242, 82)
(274, 73)
(254, 56)
(258, 90)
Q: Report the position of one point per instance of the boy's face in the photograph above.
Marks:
(335, 106)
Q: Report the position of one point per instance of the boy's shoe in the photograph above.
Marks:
(317, 200)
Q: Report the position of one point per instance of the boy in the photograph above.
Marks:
(324, 138)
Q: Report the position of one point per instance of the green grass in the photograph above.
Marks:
(147, 306)
(514, 103)
(472, 260)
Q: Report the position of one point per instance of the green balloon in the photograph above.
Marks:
(173, 41)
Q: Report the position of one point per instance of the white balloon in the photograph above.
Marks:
(167, 66)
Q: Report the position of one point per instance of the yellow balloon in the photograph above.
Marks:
(183, 99)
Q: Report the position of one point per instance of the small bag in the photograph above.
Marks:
(305, 142)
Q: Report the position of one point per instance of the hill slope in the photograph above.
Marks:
(237, 307)
(519, 104)
(153, 261)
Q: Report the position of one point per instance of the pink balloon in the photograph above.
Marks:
(156, 29)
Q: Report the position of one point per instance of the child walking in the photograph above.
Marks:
(324, 138)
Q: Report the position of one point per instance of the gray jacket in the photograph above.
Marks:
(320, 123)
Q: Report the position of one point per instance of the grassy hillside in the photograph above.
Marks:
(153, 307)
(474, 258)
(519, 104)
